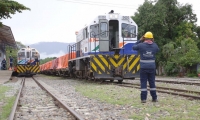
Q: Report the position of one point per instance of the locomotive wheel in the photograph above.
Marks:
(111, 80)
(120, 81)
(91, 76)
(95, 79)
(102, 81)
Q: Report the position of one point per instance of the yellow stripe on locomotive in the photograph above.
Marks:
(28, 61)
(108, 67)
(28, 69)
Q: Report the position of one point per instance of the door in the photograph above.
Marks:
(103, 36)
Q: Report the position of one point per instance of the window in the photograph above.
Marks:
(33, 54)
(27, 54)
(94, 31)
(21, 54)
(128, 30)
(85, 32)
(103, 29)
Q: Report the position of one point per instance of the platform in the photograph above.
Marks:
(4, 76)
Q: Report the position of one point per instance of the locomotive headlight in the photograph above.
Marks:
(113, 16)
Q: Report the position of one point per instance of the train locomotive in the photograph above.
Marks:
(103, 50)
(28, 61)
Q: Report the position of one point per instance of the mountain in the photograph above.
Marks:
(51, 49)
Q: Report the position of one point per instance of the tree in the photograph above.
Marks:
(182, 55)
(8, 7)
(42, 61)
(13, 52)
(172, 24)
(20, 45)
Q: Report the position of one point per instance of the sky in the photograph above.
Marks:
(57, 20)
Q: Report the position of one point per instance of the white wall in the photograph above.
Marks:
(2, 56)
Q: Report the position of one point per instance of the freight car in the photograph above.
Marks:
(103, 51)
(28, 61)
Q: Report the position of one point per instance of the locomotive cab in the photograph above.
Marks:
(109, 35)
(111, 31)
(26, 65)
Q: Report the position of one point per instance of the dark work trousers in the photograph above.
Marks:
(3, 66)
(11, 65)
(147, 75)
(36, 62)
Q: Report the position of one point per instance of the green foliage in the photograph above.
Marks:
(198, 70)
(183, 53)
(174, 29)
(42, 61)
(7, 108)
(198, 31)
(171, 68)
(8, 7)
(191, 74)
(9, 101)
(20, 45)
(13, 52)
(3, 89)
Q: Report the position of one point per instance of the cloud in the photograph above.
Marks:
(44, 55)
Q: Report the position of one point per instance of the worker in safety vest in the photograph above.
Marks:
(36, 56)
(147, 49)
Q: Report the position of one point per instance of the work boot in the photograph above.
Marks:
(154, 100)
(143, 101)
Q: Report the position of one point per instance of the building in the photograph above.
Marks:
(6, 39)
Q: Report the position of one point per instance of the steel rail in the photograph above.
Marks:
(14, 108)
(169, 88)
(169, 92)
(179, 82)
(75, 114)
(187, 82)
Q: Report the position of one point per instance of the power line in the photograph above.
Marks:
(102, 3)
(98, 4)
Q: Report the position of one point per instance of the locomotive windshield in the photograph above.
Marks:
(128, 30)
(27, 54)
(21, 54)
(33, 54)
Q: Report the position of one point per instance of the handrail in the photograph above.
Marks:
(128, 39)
(94, 35)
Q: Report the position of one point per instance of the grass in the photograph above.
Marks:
(107, 94)
(169, 107)
(5, 109)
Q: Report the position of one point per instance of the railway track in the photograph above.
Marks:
(182, 81)
(173, 91)
(36, 100)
